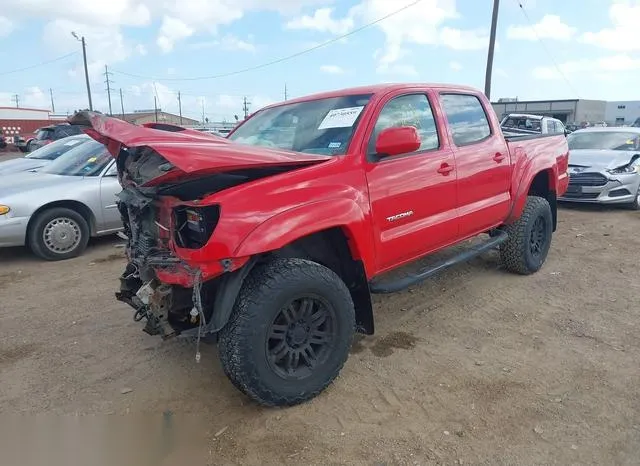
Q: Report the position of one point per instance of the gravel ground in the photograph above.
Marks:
(476, 366)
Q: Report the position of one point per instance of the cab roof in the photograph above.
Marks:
(374, 89)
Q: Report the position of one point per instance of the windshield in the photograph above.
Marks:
(604, 140)
(56, 149)
(87, 159)
(323, 126)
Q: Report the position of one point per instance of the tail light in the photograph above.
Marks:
(195, 225)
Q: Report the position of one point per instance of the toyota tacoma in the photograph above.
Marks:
(272, 240)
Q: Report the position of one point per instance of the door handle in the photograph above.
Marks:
(445, 169)
(498, 157)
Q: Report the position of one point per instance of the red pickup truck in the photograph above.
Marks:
(273, 239)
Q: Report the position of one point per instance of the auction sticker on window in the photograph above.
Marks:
(341, 118)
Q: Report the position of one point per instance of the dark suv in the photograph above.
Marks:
(48, 134)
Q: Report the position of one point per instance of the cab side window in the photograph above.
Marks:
(467, 119)
(408, 110)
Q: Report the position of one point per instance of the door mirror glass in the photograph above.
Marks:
(397, 140)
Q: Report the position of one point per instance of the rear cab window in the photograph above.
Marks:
(467, 118)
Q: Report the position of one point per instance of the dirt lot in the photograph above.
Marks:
(476, 366)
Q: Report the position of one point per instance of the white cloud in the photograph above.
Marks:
(227, 42)
(93, 13)
(603, 65)
(623, 36)
(549, 27)
(141, 49)
(398, 69)
(455, 66)
(172, 30)
(331, 69)
(105, 44)
(6, 26)
(322, 21)
(231, 42)
(464, 40)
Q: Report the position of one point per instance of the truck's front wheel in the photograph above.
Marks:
(529, 238)
(290, 332)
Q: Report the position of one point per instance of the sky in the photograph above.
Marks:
(545, 50)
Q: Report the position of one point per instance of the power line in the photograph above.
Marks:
(555, 63)
(278, 60)
(38, 64)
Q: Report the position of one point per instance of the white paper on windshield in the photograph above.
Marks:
(71, 143)
(341, 118)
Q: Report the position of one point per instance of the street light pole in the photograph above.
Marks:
(492, 44)
(86, 70)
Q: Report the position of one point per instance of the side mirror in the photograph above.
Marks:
(397, 140)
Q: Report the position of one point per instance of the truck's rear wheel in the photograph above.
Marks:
(289, 333)
(529, 238)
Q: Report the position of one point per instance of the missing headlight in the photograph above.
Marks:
(195, 225)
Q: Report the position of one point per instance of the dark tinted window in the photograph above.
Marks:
(408, 110)
(466, 117)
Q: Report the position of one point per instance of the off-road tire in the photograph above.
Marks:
(516, 253)
(36, 228)
(242, 342)
(29, 147)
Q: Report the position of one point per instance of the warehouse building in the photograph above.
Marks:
(621, 113)
(567, 111)
(139, 117)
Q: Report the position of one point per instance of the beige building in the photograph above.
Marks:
(150, 116)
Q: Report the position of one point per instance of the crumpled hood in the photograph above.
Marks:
(188, 152)
(600, 159)
(21, 164)
(25, 182)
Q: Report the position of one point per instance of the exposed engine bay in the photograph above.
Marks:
(157, 217)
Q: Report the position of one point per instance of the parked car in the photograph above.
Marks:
(518, 123)
(43, 156)
(604, 166)
(55, 210)
(47, 135)
(273, 239)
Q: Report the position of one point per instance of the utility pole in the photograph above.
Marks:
(155, 107)
(202, 102)
(245, 107)
(108, 82)
(180, 107)
(16, 99)
(53, 107)
(492, 45)
(285, 91)
(121, 103)
(86, 70)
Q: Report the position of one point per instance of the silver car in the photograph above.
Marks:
(55, 210)
(604, 166)
(43, 156)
